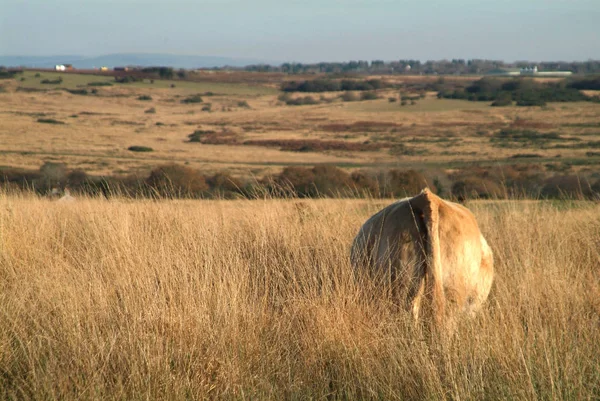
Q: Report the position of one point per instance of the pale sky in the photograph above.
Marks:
(306, 31)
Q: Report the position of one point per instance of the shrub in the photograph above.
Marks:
(82, 92)
(100, 84)
(136, 148)
(52, 174)
(207, 107)
(197, 135)
(57, 81)
(243, 104)
(49, 121)
(368, 96)
(174, 180)
(331, 181)
(128, 79)
(144, 97)
(350, 97)
(299, 180)
(224, 182)
(299, 101)
(151, 110)
(401, 183)
(365, 182)
(192, 99)
(566, 186)
(77, 178)
(504, 99)
(392, 99)
(476, 187)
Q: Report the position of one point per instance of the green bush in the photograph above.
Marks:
(504, 99)
(57, 81)
(100, 84)
(151, 110)
(136, 148)
(197, 135)
(82, 92)
(192, 99)
(144, 97)
(49, 121)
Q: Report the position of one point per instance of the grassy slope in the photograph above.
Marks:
(256, 299)
(73, 80)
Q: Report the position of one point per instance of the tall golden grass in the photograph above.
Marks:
(127, 299)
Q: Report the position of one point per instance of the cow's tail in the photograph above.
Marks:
(428, 205)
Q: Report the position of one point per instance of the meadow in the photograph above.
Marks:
(250, 122)
(121, 298)
(256, 299)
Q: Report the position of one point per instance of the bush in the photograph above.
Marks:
(174, 180)
(137, 148)
(300, 180)
(243, 104)
(224, 183)
(566, 186)
(504, 99)
(402, 183)
(476, 187)
(207, 107)
(128, 79)
(82, 92)
(587, 83)
(49, 121)
(57, 81)
(52, 174)
(144, 97)
(368, 96)
(100, 84)
(192, 99)
(331, 181)
(198, 135)
(301, 101)
(365, 182)
(350, 97)
(151, 110)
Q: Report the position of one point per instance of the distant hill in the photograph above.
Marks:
(125, 59)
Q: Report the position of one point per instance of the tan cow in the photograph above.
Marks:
(427, 245)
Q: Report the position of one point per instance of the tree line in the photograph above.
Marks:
(410, 66)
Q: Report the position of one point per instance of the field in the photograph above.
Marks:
(127, 299)
(249, 122)
(121, 298)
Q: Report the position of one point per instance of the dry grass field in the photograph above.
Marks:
(248, 122)
(256, 299)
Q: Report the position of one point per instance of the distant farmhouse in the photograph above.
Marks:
(63, 67)
(527, 72)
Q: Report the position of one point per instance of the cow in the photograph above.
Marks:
(428, 248)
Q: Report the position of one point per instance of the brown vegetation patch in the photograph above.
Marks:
(315, 145)
(360, 126)
(520, 123)
(214, 138)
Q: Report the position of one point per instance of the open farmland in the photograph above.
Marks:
(254, 133)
